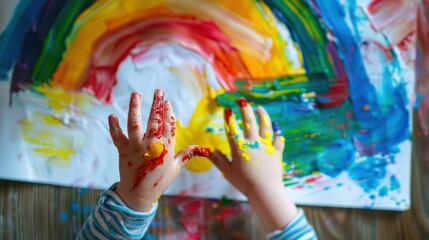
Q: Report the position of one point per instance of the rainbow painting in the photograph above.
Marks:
(338, 77)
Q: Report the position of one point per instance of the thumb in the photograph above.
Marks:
(189, 152)
(221, 161)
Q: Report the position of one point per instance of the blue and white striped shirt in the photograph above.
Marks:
(112, 219)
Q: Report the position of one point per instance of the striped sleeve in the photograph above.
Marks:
(112, 219)
(298, 229)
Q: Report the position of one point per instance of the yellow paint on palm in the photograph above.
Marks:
(155, 150)
(268, 142)
(203, 129)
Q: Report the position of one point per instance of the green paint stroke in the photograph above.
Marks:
(54, 44)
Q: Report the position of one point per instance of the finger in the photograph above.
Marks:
(220, 161)
(135, 127)
(250, 126)
(189, 152)
(279, 140)
(231, 129)
(156, 115)
(118, 137)
(169, 128)
(265, 128)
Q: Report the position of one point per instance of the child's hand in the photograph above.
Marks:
(147, 163)
(256, 158)
(256, 168)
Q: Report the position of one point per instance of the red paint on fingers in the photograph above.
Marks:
(227, 114)
(196, 151)
(242, 102)
(173, 127)
(158, 109)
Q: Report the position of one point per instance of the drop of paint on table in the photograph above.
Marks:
(63, 216)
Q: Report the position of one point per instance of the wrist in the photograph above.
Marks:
(274, 206)
(134, 202)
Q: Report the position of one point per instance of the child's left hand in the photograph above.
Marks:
(147, 163)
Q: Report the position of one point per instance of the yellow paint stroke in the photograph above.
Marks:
(207, 115)
(60, 100)
(155, 150)
(48, 137)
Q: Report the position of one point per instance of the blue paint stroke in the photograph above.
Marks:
(11, 38)
(380, 126)
(368, 173)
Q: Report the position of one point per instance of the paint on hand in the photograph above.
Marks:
(254, 145)
(231, 129)
(242, 102)
(276, 128)
(157, 182)
(196, 151)
(268, 142)
(157, 109)
(173, 127)
(265, 121)
(154, 150)
(153, 158)
(130, 164)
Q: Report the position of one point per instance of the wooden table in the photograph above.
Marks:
(35, 211)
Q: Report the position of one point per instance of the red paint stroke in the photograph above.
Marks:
(202, 37)
(192, 217)
(196, 151)
(396, 19)
(130, 164)
(242, 102)
(313, 179)
(147, 166)
(227, 213)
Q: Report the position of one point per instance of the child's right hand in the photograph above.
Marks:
(256, 166)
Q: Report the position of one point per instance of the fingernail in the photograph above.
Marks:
(242, 102)
(276, 128)
(227, 114)
(113, 123)
(136, 95)
(159, 94)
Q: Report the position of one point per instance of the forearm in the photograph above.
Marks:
(112, 219)
(273, 206)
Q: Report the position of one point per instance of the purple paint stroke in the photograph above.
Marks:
(32, 45)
